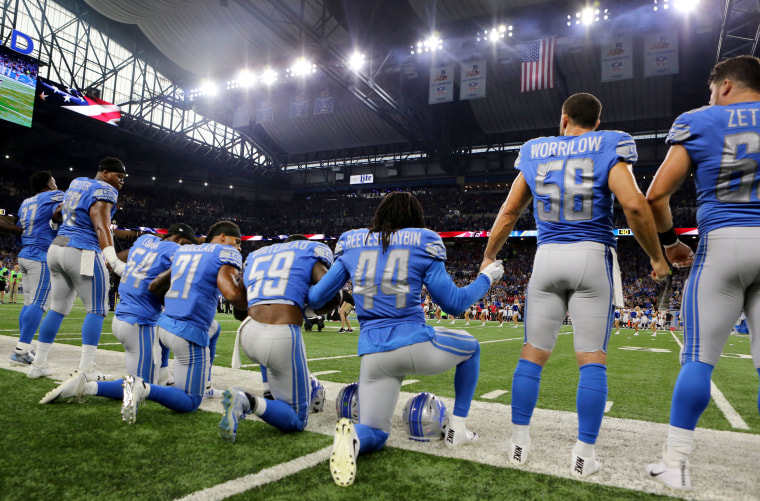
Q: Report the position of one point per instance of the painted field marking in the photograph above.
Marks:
(407, 382)
(493, 394)
(608, 406)
(733, 417)
(265, 476)
(322, 373)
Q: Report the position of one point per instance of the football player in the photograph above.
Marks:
(571, 180)
(276, 280)
(190, 292)
(136, 315)
(77, 259)
(388, 264)
(37, 229)
(720, 146)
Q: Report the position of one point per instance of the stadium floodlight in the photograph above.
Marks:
(246, 79)
(209, 88)
(355, 61)
(302, 67)
(230, 186)
(433, 43)
(180, 181)
(685, 6)
(587, 16)
(205, 183)
(154, 178)
(268, 76)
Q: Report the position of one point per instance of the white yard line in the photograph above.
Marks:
(608, 406)
(493, 394)
(733, 417)
(265, 476)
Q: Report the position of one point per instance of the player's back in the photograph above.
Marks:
(83, 192)
(724, 145)
(192, 296)
(567, 175)
(387, 284)
(282, 272)
(148, 257)
(34, 218)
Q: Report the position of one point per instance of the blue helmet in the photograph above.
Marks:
(347, 403)
(317, 395)
(425, 417)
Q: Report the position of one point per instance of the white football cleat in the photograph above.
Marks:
(35, 371)
(518, 453)
(675, 477)
(72, 387)
(584, 466)
(135, 392)
(344, 453)
(455, 437)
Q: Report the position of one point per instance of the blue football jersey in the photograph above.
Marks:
(148, 257)
(567, 175)
(190, 303)
(82, 193)
(34, 218)
(282, 272)
(723, 143)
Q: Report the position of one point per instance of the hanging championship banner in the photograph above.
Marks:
(265, 112)
(617, 60)
(473, 80)
(324, 103)
(441, 84)
(299, 105)
(660, 54)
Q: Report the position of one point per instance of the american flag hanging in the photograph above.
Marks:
(71, 99)
(537, 64)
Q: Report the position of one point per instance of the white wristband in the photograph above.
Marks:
(117, 265)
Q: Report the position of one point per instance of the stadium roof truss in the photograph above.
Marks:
(740, 32)
(72, 52)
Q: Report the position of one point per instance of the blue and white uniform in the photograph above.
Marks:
(394, 339)
(77, 267)
(281, 274)
(723, 143)
(575, 261)
(34, 219)
(184, 326)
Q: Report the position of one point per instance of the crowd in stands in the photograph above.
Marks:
(447, 208)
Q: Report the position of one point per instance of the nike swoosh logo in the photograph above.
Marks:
(356, 446)
(653, 474)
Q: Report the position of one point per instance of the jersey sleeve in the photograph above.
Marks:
(105, 193)
(447, 295)
(230, 255)
(681, 130)
(57, 197)
(323, 254)
(329, 285)
(340, 246)
(626, 149)
(434, 246)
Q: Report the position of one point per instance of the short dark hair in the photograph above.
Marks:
(743, 69)
(583, 109)
(296, 237)
(226, 227)
(397, 210)
(112, 164)
(39, 180)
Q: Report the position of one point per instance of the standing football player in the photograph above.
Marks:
(276, 280)
(190, 290)
(720, 146)
(77, 259)
(136, 315)
(571, 180)
(388, 265)
(37, 230)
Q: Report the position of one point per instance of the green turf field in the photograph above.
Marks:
(81, 449)
(16, 101)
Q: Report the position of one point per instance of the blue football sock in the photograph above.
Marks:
(590, 401)
(525, 385)
(21, 319)
(282, 416)
(690, 395)
(370, 439)
(174, 398)
(111, 389)
(50, 326)
(91, 329)
(465, 382)
(29, 320)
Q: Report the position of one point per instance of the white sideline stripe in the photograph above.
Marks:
(608, 406)
(502, 340)
(407, 382)
(733, 417)
(493, 394)
(322, 373)
(265, 476)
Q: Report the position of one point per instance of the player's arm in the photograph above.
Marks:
(100, 215)
(229, 285)
(329, 284)
(447, 295)
(517, 200)
(638, 214)
(160, 285)
(57, 215)
(669, 177)
(241, 313)
(8, 225)
(317, 272)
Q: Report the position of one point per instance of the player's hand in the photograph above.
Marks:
(680, 255)
(239, 314)
(493, 271)
(486, 262)
(660, 269)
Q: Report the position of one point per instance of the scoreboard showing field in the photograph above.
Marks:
(18, 82)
